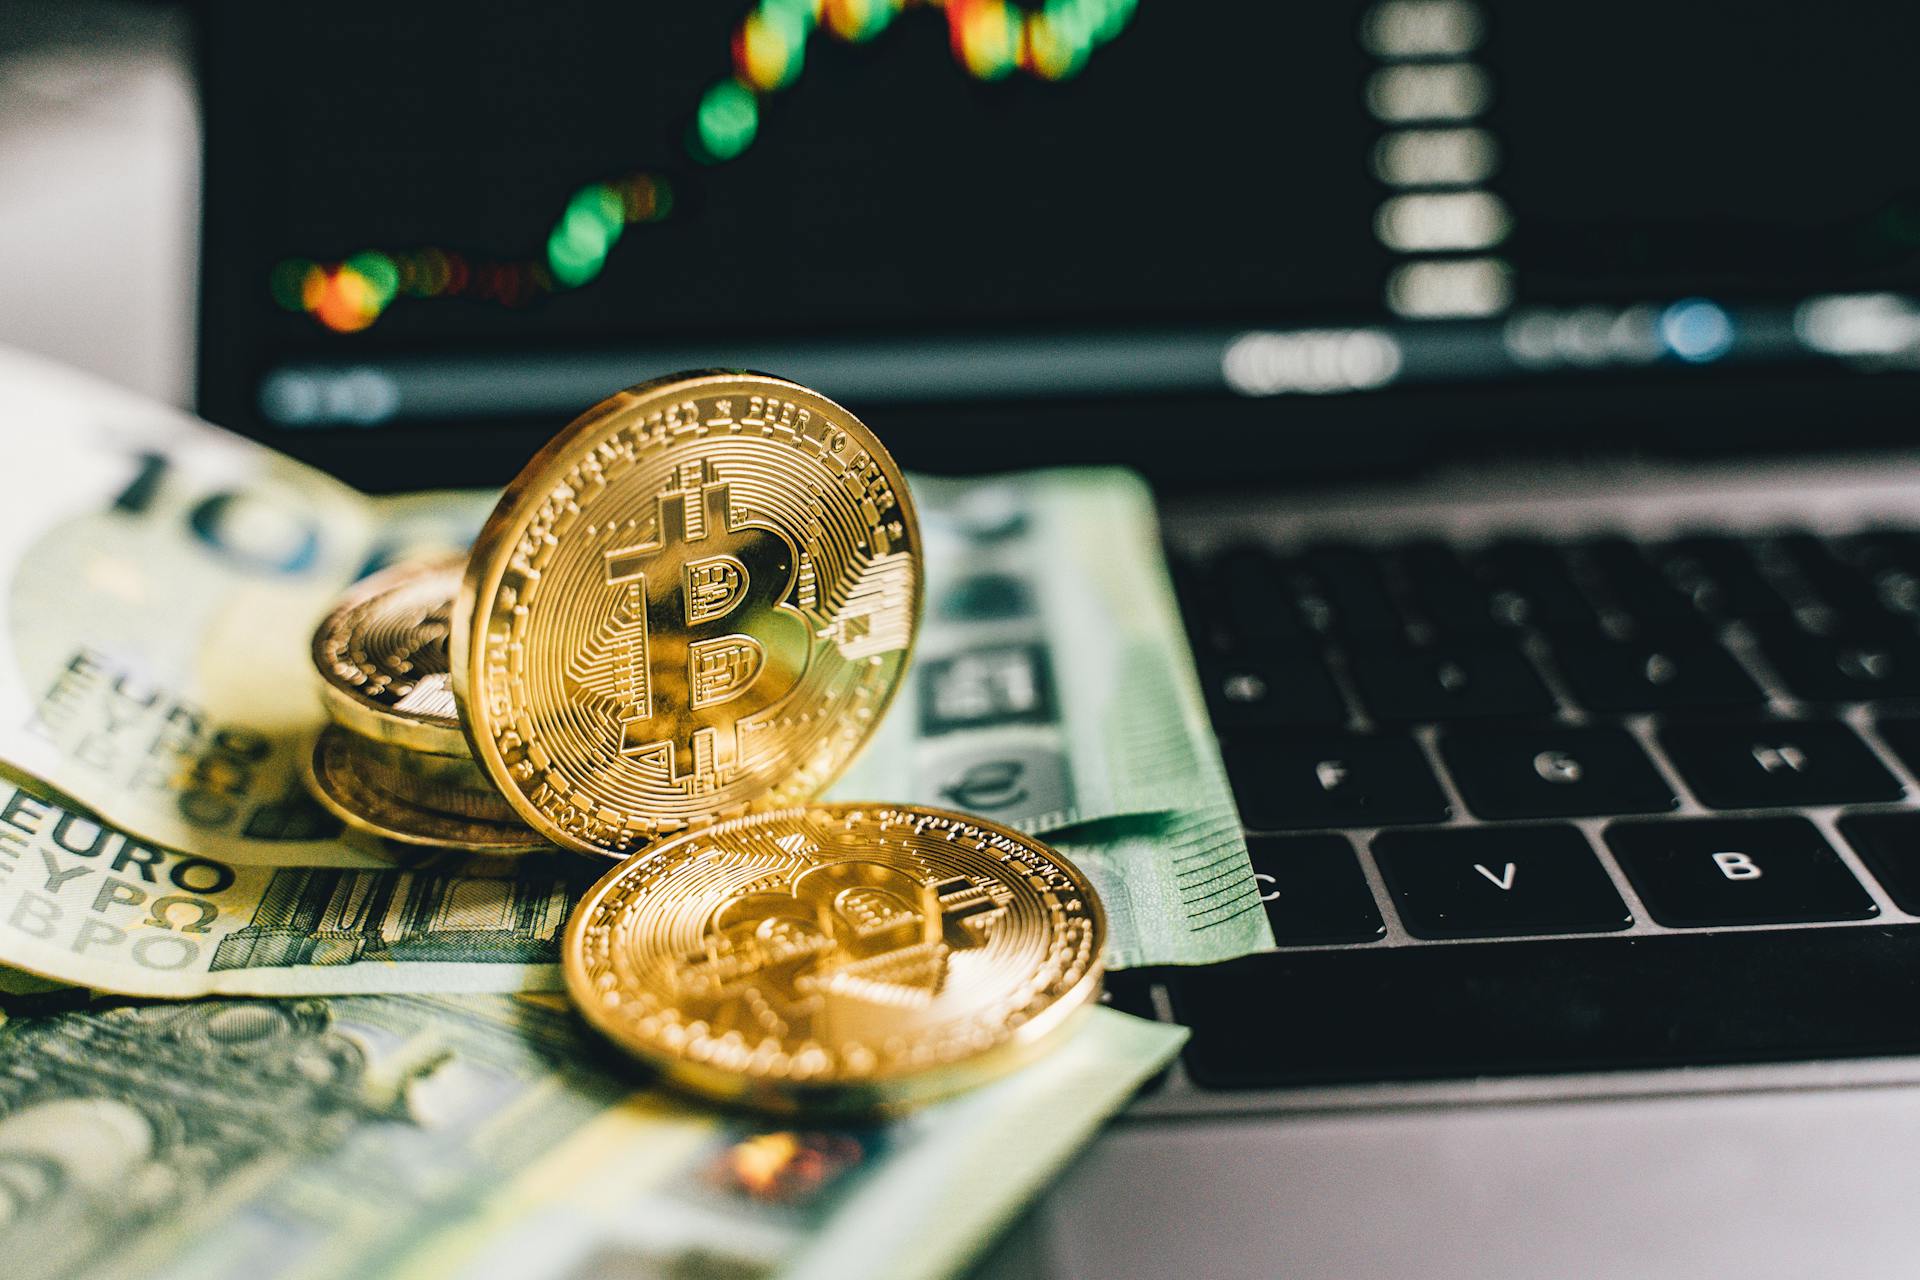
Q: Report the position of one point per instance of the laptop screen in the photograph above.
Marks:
(1080, 229)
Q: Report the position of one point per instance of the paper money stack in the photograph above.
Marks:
(382, 1102)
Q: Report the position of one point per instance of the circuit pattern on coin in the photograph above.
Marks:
(383, 658)
(876, 955)
(694, 602)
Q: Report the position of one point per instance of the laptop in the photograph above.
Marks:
(1532, 394)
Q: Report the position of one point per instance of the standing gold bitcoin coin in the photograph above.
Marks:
(695, 601)
(838, 956)
(382, 658)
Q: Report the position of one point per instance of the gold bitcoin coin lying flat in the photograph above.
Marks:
(382, 658)
(337, 777)
(840, 957)
(695, 601)
(445, 784)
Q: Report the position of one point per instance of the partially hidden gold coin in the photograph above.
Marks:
(339, 779)
(445, 784)
(837, 957)
(694, 602)
(382, 657)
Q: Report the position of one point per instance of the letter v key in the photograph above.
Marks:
(1503, 881)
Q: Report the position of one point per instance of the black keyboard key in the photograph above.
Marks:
(1493, 882)
(1717, 871)
(1898, 590)
(1554, 773)
(1828, 583)
(1255, 601)
(1447, 593)
(1356, 589)
(1781, 568)
(1129, 991)
(1720, 575)
(1776, 764)
(1314, 890)
(1889, 843)
(1655, 675)
(1255, 694)
(1451, 681)
(1333, 781)
(1845, 667)
(1882, 549)
(1560, 1004)
(1640, 591)
(1542, 578)
(1891, 562)
(1902, 733)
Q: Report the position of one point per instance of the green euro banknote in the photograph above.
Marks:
(448, 1138)
(85, 904)
(1051, 683)
(1177, 888)
(162, 579)
(1052, 689)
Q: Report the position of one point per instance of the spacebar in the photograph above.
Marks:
(1293, 1018)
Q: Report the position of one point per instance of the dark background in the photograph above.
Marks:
(1208, 169)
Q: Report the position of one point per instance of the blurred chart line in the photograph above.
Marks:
(990, 39)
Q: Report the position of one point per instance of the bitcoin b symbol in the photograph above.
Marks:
(850, 933)
(699, 636)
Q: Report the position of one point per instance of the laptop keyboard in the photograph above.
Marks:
(1460, 765)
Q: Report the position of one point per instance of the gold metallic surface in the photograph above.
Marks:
(694, 602)
(382, 657)
(446, 784)
(335, 774)
(837, 957)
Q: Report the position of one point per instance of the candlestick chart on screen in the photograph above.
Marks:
(990, 40)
